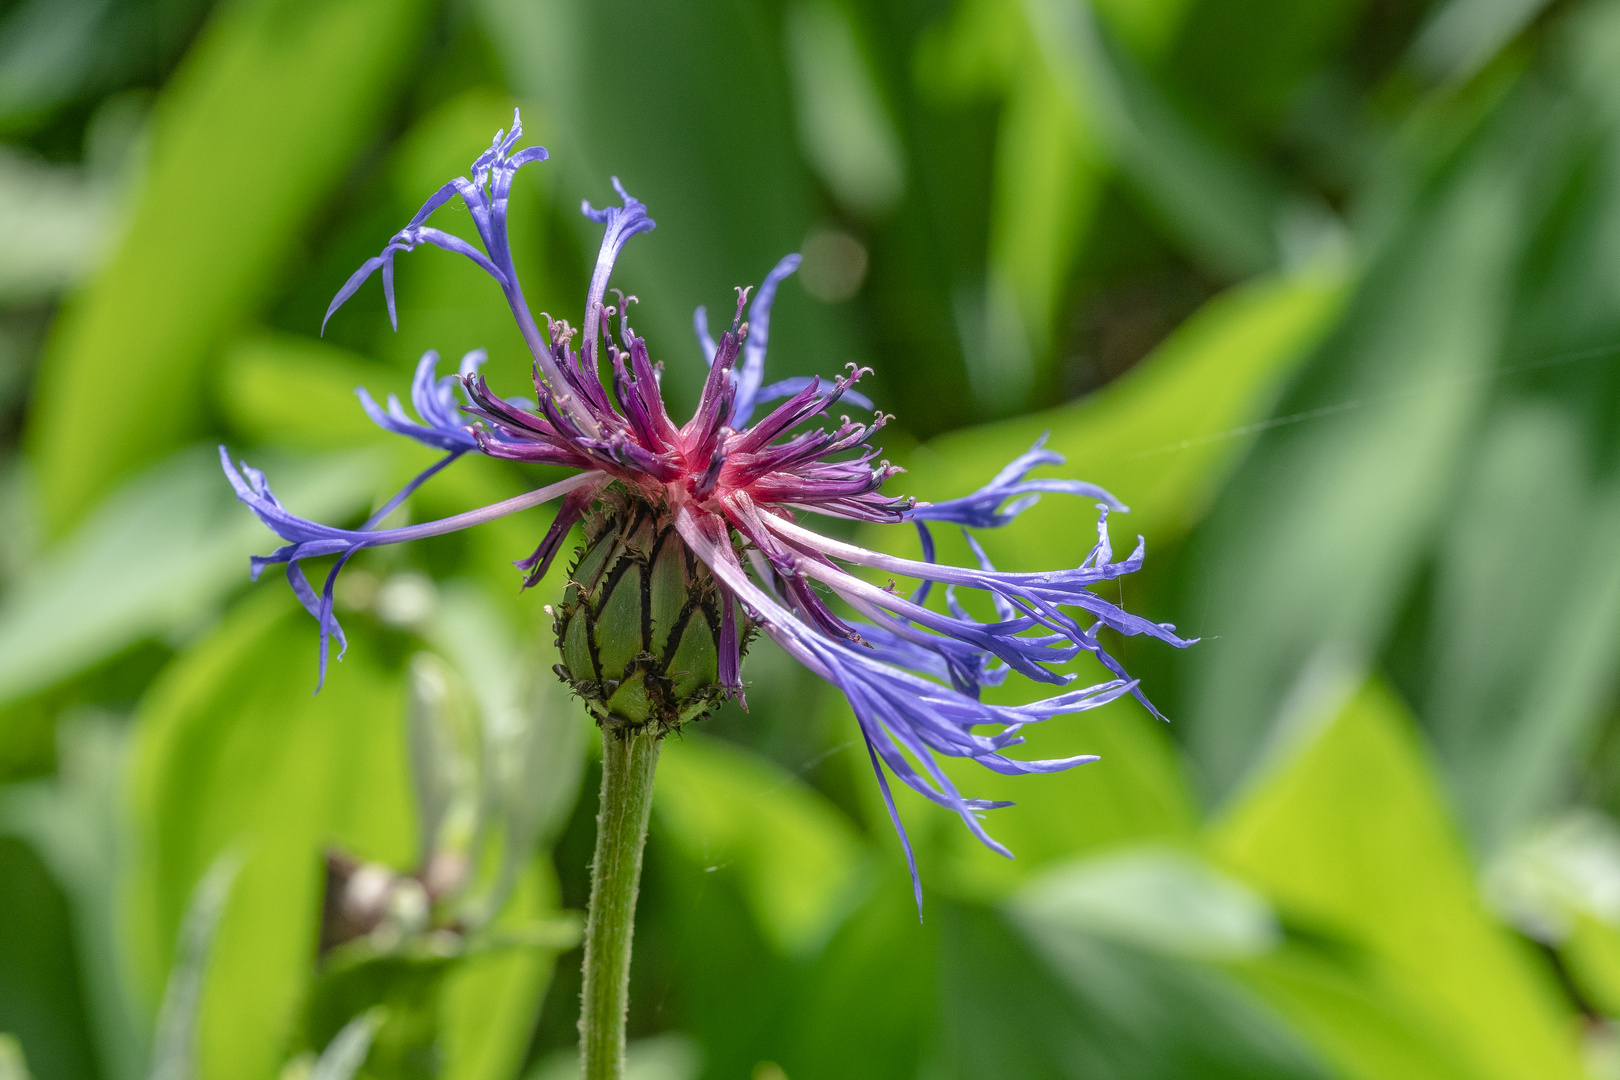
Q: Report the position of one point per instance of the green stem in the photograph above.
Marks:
(629, 756)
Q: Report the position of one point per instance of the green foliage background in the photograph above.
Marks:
(1328, 292)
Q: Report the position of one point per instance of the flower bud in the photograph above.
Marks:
(639, 624)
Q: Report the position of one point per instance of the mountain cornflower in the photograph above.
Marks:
(733, 492)
(703, 520)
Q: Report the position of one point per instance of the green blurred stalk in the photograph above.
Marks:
(629, 757)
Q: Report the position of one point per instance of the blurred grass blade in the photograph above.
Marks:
(1223, 208)
(1307, 557)
(55, 53)
(718, 227)
(1511, 713)
(532, 734)
(13, 1064)
(122, 381)
(1347, 834)
(154, 558)
(174, 1046)
(446, 756)
(41, 991)
(1049, 170)
(57, 222)
(1461, 36)
(842, 119)
(347, 1051)
(1048, 176)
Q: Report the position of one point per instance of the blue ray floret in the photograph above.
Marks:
(750, 394)
(442, 424)
(733, 486)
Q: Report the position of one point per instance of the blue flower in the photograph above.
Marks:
(732, 487)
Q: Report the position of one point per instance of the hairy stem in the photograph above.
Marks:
(629, 756)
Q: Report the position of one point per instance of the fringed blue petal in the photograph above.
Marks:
(308, 539)
(442, 423)
(623, 222)
(1009, 493)
(485, 195)
(751, 373)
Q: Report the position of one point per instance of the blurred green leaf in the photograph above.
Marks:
(13, 1063)
(1049, 175)
(57, 221)
(867, 1006)
(491, 1001)
(1244, 65)
(1566, 867)
(231, 751)
(288, 774)
(153, 559)
(75, 822)
(296, 391)
(1161, 438)
(533, 745)
(534, 733)
(1305, 561)
(446, 759)
(1369, 1028)
(1223, 207)
(41, 1001)
(273, 103)
(1592, 953)
(1136, 792)
(1559, 882)
(719, 968)
(57, 52)
(1051, 163)
(1060, 1003)
(401, 987)
(842, 120)
(1510, 714)
(1347, 834)
(1157, 898)
(1148, 27)
(1510, 723)
(796, 856)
